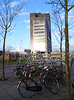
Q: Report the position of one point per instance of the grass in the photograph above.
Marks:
(9, 62)
(12, 62)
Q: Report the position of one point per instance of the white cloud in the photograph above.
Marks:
(15, 48)
(14, 3)
(11, 37)
(27, 21)
(24, 13)
(38, 10)
(47, 12)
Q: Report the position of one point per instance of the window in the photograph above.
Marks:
(39, 32)
(39, 26)
(38, 21)
(39, 29)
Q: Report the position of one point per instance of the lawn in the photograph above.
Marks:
(9, 62)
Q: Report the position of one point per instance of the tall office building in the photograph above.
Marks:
(40, 32)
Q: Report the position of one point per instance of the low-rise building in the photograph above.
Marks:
(57, 55)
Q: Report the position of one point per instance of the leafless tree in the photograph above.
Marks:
(59, 24)
(9, 9)
(58, 21)
(66, 6)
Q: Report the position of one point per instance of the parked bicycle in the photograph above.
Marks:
(24, 64)
(20, 66)
(72, 71)
(28, 86)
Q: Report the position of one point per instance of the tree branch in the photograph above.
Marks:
(2, 19)
(70, 7)
(62, 4)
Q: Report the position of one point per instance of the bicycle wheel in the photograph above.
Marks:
(52, 84)
(36, 77)
(15, 74)
(22, 88)
(63, 78)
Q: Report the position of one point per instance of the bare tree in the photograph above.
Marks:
(58, 22)
(66, 6)
(7, 14)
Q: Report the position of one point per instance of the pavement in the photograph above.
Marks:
(8, 91)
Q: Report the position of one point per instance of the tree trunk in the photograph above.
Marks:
(68, 79)
(61, 50)
(3, 72)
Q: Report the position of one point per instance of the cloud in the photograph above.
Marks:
(9, 48)
(27, 21)
(11, 37)
(47, 12)
(13, 4)
(15, 48)
(23, 13)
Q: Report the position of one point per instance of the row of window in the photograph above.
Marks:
(39, 35)
(41, 21)
(39, 32)
(39, 25)
(39, 29)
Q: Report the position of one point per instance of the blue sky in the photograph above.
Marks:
(21, 33)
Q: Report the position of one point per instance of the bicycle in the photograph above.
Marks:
(25, 63)
(28, 86)
(58, 73)
(20, 67)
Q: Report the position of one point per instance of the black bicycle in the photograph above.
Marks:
(21, 65)
(28, 86)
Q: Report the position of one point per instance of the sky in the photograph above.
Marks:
(20, 35)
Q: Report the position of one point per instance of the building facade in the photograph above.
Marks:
(40, 33)
(56, 55)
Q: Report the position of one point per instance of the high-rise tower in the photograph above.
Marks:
(40, 32)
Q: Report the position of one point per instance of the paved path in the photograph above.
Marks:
(8, 91)
(8, 70)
